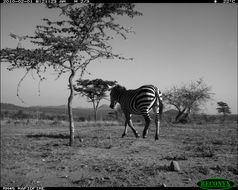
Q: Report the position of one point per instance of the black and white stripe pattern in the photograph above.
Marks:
(138, 101)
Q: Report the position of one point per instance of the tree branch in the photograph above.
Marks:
(19, 84)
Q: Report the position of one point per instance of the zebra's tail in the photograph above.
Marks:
(159, 99)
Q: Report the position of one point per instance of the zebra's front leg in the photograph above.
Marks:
(125, 129)
(133, 129)
(147, 124)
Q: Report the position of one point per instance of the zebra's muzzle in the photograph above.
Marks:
(111, 106)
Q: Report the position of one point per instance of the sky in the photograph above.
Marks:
(173, 44)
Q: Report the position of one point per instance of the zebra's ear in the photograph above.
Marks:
(110, 86)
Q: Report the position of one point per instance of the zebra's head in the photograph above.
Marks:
(115, 94)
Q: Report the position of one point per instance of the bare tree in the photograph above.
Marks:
(95, 90)
(188, 98)
(69, 44)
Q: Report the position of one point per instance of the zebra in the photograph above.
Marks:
(138, 101)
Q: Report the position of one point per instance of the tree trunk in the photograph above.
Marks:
(180, 113)
(95, 114)
(223, 118)
(184, 118)
(95, 111)
(70, 111)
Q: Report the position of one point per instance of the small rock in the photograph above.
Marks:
(186, 180)
(96, 168)
(83, 166)
(174, 166)
(105, 178)
(64, 176)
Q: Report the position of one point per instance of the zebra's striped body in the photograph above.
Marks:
(138, 101)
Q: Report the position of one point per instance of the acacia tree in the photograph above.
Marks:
(188, 98)
(95, 90)
(69, 44)
(224, 109)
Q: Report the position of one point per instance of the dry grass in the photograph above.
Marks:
(37, 154)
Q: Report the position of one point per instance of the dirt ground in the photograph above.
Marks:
(39, 155)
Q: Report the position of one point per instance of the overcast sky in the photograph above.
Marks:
(173, 44)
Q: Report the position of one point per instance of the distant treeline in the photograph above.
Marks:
(85, 114)
(52, 113)
(22, 114)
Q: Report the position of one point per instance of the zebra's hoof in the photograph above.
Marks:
(156, 138)
(137, 136)
(144, 136)
(123, 135)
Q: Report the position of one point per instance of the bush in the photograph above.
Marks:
(21, 115)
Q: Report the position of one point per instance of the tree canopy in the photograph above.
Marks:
(223, 108)
(73, 42)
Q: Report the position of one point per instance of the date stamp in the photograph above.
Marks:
(226, 1)
(229, 1)
(23, 188)
(45, 1)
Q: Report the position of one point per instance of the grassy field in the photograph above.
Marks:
(37, 154)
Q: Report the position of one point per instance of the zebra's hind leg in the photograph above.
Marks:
(147, 124)
(125, 129)
(157, 121)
